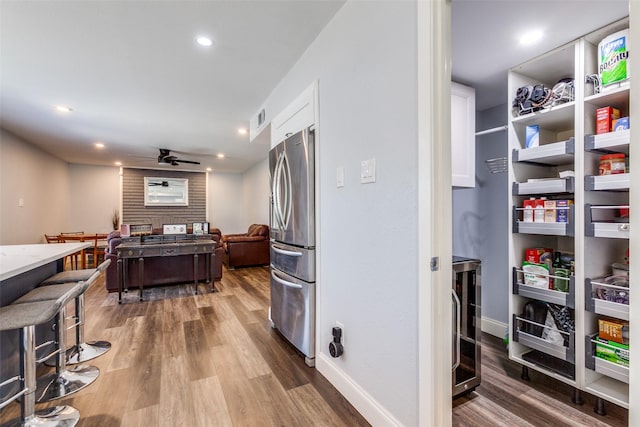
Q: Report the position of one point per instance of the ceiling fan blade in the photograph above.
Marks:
(187, 161)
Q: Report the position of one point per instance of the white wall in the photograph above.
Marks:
(94, 195)
(226, 210)
(42, 181)
(255, 192)
(366, 61)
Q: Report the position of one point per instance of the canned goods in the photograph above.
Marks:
(612, 164)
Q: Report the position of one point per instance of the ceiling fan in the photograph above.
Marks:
(165, 157)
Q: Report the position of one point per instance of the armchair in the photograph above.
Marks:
(247, 249)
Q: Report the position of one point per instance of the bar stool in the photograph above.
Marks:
(63, 381)
(81, 351)
(25, 317)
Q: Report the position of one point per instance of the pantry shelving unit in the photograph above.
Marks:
(597, 234)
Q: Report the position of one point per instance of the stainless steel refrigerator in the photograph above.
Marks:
(292, 232)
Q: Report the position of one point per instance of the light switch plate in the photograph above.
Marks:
(340, 177)
(368, 171)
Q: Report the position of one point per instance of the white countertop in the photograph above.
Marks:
(16, 259)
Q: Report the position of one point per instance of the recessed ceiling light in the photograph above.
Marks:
(242, 131)
(118, 163)
(209, 169)
(220, 156)
(204, 41)
(63, 109)
(531, 37)
(99, 145)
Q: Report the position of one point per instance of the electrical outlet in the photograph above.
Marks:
(341, 326)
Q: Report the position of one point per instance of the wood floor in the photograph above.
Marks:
(503, 399)
(212, 359)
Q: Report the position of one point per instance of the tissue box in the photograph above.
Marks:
(532, 136)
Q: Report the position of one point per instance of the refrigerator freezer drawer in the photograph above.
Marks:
(295, 261)
(293, 310)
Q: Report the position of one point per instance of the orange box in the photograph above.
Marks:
(604, 119)
(611, 329)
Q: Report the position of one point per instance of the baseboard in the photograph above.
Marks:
(494, 327)
(364, 403)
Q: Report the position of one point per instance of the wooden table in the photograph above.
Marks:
(86, 237)
(134, 250)
(22, 268)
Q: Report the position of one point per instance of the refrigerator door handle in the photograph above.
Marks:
(284, 252)
(286, 215)
(457, 340)
(284, 282)
(276, 192)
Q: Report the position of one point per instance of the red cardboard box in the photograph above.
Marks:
(539, 255)
(604, 119)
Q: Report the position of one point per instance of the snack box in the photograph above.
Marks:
(538, 255)
(620, 124)
(612, 329)
(562, 215)
(550, 211)
(612, 351)
(605, 117)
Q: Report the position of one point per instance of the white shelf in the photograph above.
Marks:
(566, 353)
(556, 118)
(604, 307)
(612, 141)
(615, 94)
(545, 186)
(557, 153)
(601, 222)
(600, 210)
(518, 358)
(612, 370)
(540, 294)
(618, 181)
(611, 390)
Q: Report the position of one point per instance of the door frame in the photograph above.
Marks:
(434, 208)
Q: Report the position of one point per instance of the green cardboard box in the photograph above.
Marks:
(613, 352)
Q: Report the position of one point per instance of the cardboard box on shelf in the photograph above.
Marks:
(550, 211)
(532, 136)
(562, 214)
(604, 119)
(620, 124)
(612, 329)
(539, 255)
(612, 351)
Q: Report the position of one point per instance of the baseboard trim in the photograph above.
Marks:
(494, 327)
(364, 403)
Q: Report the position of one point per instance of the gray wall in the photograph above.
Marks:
(365, 62)
(135, 212)
(480, 216)
(41, 182)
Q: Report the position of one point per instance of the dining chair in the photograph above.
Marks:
(75, 236)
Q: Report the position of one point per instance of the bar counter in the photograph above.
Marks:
(22, 268)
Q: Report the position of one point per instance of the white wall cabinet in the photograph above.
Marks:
(596, 234)
(463, 139)
(298, 115)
